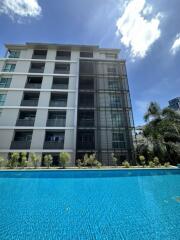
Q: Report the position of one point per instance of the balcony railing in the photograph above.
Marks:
(56, 122)
(63, 57)
(86, 122)
(59, 71)
(29, 102)
(25, 122)
(36, 70)
(58, 103)
(33, 85)
(53, 145)
(86, 145)
(38, 56)
(20, 144)
(59, 86)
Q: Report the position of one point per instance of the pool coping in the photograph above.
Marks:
(86, 169)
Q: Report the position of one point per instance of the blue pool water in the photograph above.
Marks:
(90, 205)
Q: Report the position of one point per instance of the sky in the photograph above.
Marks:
(146, 31)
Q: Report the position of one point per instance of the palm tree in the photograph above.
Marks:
(163, 132)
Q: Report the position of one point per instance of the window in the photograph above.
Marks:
(41, 54)
(9, 67)
(113, 84)
(111, 70)
(5, 82)
(117, 119)
(2, 99)
(63, 55)
(111, 56)
(37, 67)
(14, 54)
(115, 101)
(62, 68)
(85, 54)
(118, 140)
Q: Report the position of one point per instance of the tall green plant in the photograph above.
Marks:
(48, 160)
(114, 159)
(23, 162)
(35, 160)
(64, 158)
(2, 162)
(13, 161)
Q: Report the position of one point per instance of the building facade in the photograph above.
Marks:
(71, 98)
(175, 104)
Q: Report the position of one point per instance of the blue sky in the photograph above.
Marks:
(147, 32)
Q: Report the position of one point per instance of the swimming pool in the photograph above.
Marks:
(90, 205)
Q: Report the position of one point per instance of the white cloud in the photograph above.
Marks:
(176, 45)
(136, 31)
(20, 8)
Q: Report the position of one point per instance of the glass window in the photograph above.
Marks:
(5, 82)
(86, 54)
(9, 67)
(115, 101)
(117, 119)
(118, 140)
(2, 98)
(14, 54)
(111, 70)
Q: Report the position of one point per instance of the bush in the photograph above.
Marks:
(79, 163)
(167, 164)
(23, 162)
(13, 161)
(2, 162)
(126, 164)
(142, 160)
(156, 161)
(48, 160)
(64, 158)
(114, 159)
(35, 160)
(151, 164)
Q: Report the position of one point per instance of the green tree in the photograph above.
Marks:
(35, 160)
(48, 160)
(163, 132)
(114, 159)
(13, 161)
(64, 158)
(142, 160)
(2, 162)
(23, 162)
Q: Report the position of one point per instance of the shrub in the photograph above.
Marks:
(142, 160)
(35, 160)
(64, 158)
(2, 162)
(151, 164)
(23, 162)
(114, 159)
(13, 161)
(85, 160)
(48, 160)
(167, 164)
(125, 164)
(79, 163)
(156, 161)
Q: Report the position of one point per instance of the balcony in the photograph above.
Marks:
(34, 82)
(86, 123)
(56, 122)
(57, 103)
(53, 145)
(63, 55)
(20, 144)
(58, 100)
(86, 83)
(30, 99)
(22, 139)
(60, 83)
(62, 68)
(25, 122)
(39, 54)
(37, 67)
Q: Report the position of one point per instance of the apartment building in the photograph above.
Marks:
(73, 98)
(175, 104)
